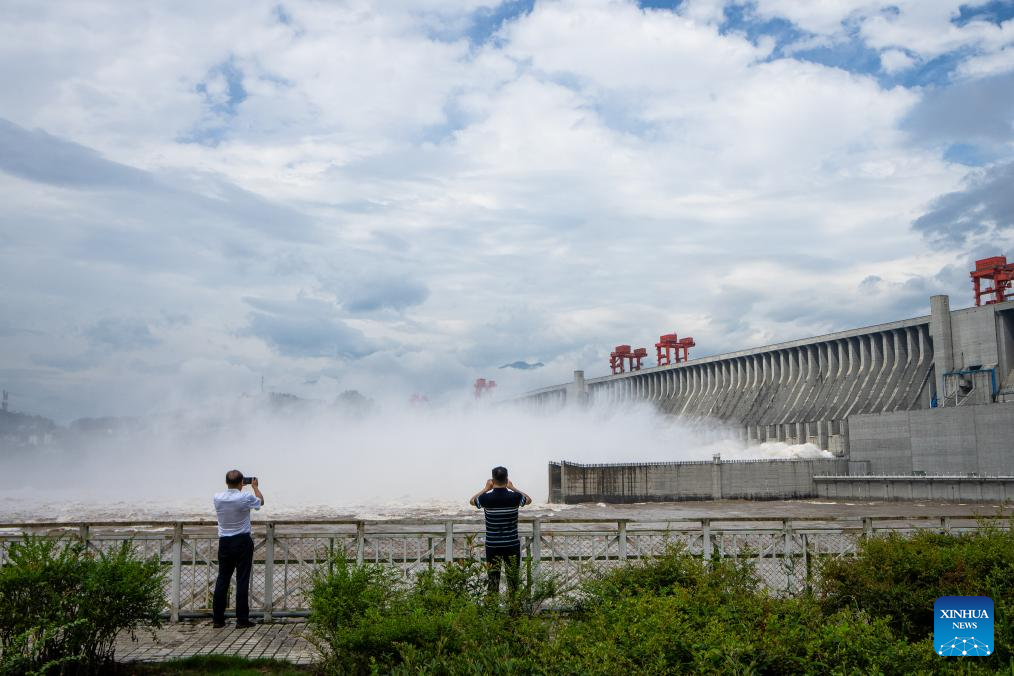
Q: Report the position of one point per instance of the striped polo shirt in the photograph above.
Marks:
(501, 508)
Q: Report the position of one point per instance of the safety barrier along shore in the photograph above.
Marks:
(287, 552)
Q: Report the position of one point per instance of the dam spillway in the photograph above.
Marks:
(875, 395)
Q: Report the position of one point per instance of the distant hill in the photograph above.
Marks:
(523, 365)
(21, 429)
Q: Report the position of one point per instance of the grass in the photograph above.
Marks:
(228, 665)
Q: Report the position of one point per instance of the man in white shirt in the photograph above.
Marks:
(235, 546)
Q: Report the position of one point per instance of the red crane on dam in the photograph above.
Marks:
(671, 341)
(623, 353)
(484, 387)
(616, 357)
(998, 271)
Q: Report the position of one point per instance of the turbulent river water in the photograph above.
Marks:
(33, 510)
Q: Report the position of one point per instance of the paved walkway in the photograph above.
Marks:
(280, 640)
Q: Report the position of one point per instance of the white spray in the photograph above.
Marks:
(319, 462)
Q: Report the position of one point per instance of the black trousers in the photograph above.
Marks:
(508, 558)
(235, 554)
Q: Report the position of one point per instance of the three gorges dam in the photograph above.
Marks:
(919, 408)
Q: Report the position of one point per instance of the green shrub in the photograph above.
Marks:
(673, 571)
(219, 665)
(364, 618)
(900, 577)
(672, 614)
(61, 606)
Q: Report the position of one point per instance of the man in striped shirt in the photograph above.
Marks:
(500, 500)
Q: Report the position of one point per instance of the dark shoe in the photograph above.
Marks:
(245, 624)
(218, 625)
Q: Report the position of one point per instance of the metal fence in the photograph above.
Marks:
(783, 551)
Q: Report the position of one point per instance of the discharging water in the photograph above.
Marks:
(322, 463)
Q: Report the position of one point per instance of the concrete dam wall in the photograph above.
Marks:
(961, 440)
(943, 488)
(808, 389)
(930, 396)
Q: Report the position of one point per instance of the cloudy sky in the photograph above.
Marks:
(402, 195)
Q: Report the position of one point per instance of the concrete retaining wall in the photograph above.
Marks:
(962, 440)
(963, 489)
(702, 480)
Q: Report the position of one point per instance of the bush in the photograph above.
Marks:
(900, 578)
(672, 572)
(364, 618)
(677, 614)
(61, 606)
(672, 614)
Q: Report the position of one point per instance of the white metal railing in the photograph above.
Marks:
(571, 550)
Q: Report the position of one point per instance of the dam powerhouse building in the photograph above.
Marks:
(919, 408)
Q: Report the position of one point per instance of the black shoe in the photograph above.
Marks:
(218, 625)
(245, 624)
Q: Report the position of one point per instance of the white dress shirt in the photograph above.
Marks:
(233, 509)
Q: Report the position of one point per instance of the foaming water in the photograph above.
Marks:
(320, 462)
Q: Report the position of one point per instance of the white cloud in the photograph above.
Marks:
(926, 28)
(998, 62)
(410, 210)
(895, 61)
(825, 17)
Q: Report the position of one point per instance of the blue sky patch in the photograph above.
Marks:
(671, 5)
(282, 15)
(221, 106)
(235, 93)
(740, 18)
(969, 154)
(995, 11)
(936, 71)
(487, 21)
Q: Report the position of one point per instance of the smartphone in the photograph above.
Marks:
(247, 480)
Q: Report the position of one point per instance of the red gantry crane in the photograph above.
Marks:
(998, 271)
(623, 353)
(616, 357)
(685, 345)
(669, 342)
(484, 387)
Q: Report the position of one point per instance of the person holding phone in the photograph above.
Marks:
(500, 500)
(235, 545)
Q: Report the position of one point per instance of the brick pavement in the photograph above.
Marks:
(280, 640)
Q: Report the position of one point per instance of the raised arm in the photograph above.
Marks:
(257, 491)
(489, 485)
(528, 498)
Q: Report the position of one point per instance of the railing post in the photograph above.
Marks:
(177, 573)
(536, 545)
(621, 540)
(868, 526)
(360, 542)
(706, 538)
(945, 525)
(84, 533)
(806, 561)
(269, 570)
(787, 563)
(449, 541)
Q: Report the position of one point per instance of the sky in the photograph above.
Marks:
(401, 196)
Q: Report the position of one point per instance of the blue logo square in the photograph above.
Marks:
(963, 626)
